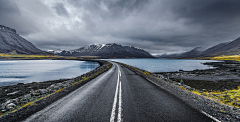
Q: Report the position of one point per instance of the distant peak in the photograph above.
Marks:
(198, 49)
(113, 44)
(7, 29)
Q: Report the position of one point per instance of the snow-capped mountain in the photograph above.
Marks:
(10, 41)
(112, 50)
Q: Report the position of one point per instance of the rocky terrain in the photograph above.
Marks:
(107, 51)
(227, 48)
(10, 41)
(224, 76)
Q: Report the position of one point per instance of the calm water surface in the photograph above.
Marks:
(166, 65)
(26, 71)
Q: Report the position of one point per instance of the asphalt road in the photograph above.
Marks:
(118, 95)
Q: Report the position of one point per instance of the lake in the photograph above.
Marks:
(26, 71)
(166, 65)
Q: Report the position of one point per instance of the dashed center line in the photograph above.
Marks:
(120, 104)
(118, 91)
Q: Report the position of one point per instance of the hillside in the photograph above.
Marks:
(226, 48)
(190, 54)
(10, 41)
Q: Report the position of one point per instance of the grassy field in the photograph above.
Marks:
(224, 57)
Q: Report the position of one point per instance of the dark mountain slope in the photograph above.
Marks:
(228, 48)
(10, 41)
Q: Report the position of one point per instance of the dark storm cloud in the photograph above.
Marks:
(22, 18)
(8, 7)
(61, 10)
(158, 26)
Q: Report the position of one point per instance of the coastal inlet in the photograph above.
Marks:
(26, 71)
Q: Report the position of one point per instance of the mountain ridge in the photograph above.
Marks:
(226, 48)
(110, 50)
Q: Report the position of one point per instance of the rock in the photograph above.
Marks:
(35, 94)
(13, 93)
(56, 87)
(11, 106)
(23, 101)
(20, 84)
(70, 81)
(43, 91)
(3, 111)
(59, 84)
(31, 99)
(9, 101)
(32, 91)
(180, 70)
(27, 96)
(181, 81)
(15, 101)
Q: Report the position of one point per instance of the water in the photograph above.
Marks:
(26, 71)
(165, 65)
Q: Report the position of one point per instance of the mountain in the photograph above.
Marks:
(190, 54)
(193, 53)
(10, 41)
(215, 49)
(167, 55)
(112, 50)
(228, 48)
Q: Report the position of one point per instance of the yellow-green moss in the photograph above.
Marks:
(229, 97)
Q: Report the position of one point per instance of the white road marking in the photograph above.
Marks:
(119, 71)
(118, 91)
(114, 103)
(120, 104)
(210, 116)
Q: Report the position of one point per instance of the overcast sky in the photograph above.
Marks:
(158, 26)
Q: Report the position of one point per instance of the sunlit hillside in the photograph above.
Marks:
(225, 57)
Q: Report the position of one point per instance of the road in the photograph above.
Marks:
(118, 95)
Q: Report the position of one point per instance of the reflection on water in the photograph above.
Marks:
(165, 65)
(25, 71)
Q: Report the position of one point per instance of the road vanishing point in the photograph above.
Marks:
(119, 95)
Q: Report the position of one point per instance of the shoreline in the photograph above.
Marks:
(225, 76)
(43, 93)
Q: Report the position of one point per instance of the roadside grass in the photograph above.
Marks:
(229, 97)
(182, 87)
